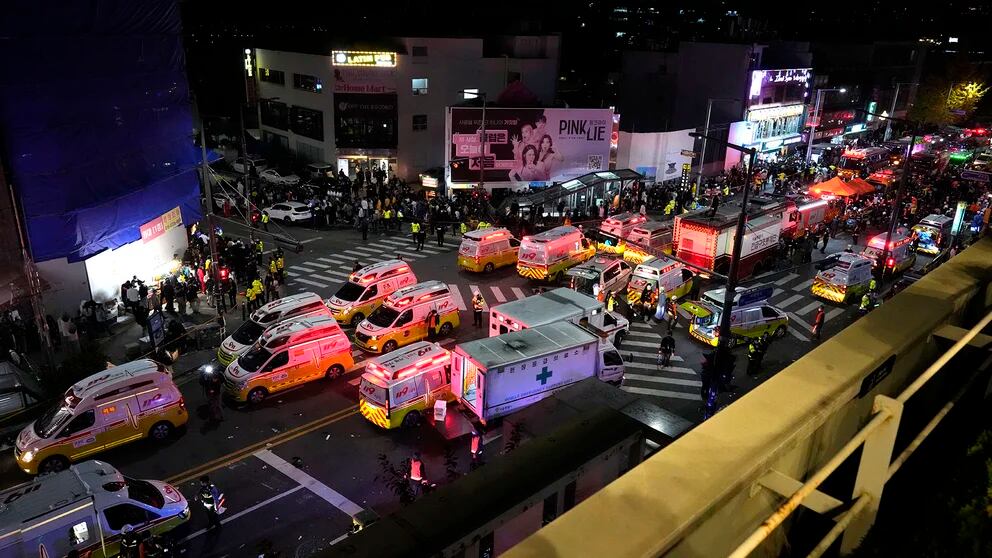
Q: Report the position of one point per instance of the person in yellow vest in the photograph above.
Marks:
(272, 266)
(265, 220)
(281, 267)
(478, 305)
(206, 265)
(463, 228)
(387, 216)
(415, 231)
(726, 189)
(256, 285)
(250, 298)
(670, 208)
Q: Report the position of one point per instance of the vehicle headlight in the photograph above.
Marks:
(374, 338)
(27, 456)
(185, 513)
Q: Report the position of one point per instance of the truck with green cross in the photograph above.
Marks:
(496, 376)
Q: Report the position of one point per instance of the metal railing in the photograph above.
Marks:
(876, 467)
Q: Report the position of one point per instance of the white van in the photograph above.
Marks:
(84, 510)
(933, 233)
(367, 288)
(300, 305)
(660, 273)
(600, 276)
(287, 355)
(847, 280)
(549, 254)
(402, 319)
(110, 408)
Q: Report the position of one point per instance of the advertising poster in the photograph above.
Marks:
(529, 146)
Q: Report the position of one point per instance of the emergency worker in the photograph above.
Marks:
(265, 220)
(865, 304)
(210, 497)
(415, 231)
(756, 350)
(478, 305)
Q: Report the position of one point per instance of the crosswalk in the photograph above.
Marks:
(645, 376)
(792, 295)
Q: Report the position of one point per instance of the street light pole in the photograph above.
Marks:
(706, 131)
(892, 109)
(812, 129)
(207, 190)
(482, 147)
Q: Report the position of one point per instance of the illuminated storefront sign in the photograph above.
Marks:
(361, 58)
(768, 84)
(768, 113)
(249, 63)
(159, 225)
(428, 181)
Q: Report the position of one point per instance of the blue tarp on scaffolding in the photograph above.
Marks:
(95, 121)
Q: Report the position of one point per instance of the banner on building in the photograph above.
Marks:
(159, 225)
(364, 80)
(526, 146)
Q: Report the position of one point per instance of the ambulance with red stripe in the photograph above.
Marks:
(402, 319)
(113, 407)
(398, 388)
(546, 256)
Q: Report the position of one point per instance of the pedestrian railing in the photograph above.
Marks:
(876, 467)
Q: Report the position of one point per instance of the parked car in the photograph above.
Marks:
(257, 163)
(272, 176)
(290, 212)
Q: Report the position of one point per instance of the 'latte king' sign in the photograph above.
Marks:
(362, 58)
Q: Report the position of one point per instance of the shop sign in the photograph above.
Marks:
(161, 224)
(774, 144)
(792, 140)
(428, 181)
(363, 58)
(855, 128)
(759, 114)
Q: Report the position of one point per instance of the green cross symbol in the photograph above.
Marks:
(543, 376)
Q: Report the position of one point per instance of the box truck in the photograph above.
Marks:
(557, 305)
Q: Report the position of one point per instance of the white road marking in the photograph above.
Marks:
(802, 286)
(808, 308)
(649, 335)
(652, 356)
(655, 367)
(786, 279)
(333, 261)
(303, 269)
(395, 242)
(789, 301)
(517, 292)
(325, 278)
(628, 342)
(309, 240)
(292, 273)
(338, 274)
(332, 497)
(410, 254)
(388, 246)
(308, 282)
(246, 511)
(361, 254)
(498, 294)
(662, 380)
(798, 335)
(433, 251)
(833, 313)
(796, 319)
(660, 393)
(641, 325)
(317, 264)
(775, 292)
(457, 295)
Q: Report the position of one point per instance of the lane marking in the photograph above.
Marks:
(317, 264)
(246, 511)
(662, 380)
(651, 356)
(832, 314)
(627, 342)
(332, 260)
(303, 269)
(798, 335)
(786, 279)
(498, 294)
(654, 367)
(395, 242)
(309, 240)
(797, 319)
(517, 292)
(802, 286)
(331, 279)
(337, 274)
(292, 273)
(641, 325)
(809, 308)
(434, 251)
(660, 393)
(649, 335)
(391, 246)
(361, 254)
(457, 295)
(410, 254)
(330, 495)
(789, 301)
(309, 282)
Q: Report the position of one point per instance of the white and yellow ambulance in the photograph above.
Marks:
(402, 319)
(367, 288)
(900, 256)
(487, 249)
(549, 254)
(660, 273)
(400, 387)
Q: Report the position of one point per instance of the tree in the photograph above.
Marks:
(965, 96)
(931, 104)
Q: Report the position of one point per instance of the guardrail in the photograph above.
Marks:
(876, 467)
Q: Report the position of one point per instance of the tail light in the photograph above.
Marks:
(891, 262)
(182, 402)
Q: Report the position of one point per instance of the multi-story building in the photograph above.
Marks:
(356, 108)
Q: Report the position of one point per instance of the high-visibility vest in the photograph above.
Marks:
(259, 247)
(865, 302)
(415, 228)
(250, 294)
(872, 285)
(206, 264)
(399, 214)
(464, 228)
(272, 266)
(280, 263)
(416, 469)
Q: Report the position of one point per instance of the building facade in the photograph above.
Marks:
(386, 109)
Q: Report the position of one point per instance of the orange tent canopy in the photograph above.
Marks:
(834, 187)
(862, 186)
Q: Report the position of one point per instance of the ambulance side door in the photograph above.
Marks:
(277, 372)
(510, 252)
(81, 435)
(409, 326)
(115, 423)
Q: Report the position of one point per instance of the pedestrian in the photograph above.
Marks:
(193, 298)
(421, 237)
(818, 323)
(181, 296)
(432, 323)
(756, 353)
(364, 224)
(415, 231)
(212, 501)
(667, 349)
(212, 390)
(418, 473)
(232, 291)
(439, 230)
(824, 237)
(265, 220)
(356, 267)
(478, 305)
(132, 296)
(673, 315)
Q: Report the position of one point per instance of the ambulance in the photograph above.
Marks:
(547, 255)
(558, 305)
(367, 288)
(647, 239)
(846, 281)
(402, 319)
(84, 510)
(487, 249)
(294, 306)
(751, 316)
(110, 408)
(287, 355)
(933, 232)
(599, 276)
(399, 388)
(661, 273)
(621, 224)
(900, 254)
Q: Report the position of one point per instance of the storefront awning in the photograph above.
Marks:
(834, 187)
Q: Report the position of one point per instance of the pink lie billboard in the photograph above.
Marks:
(527, 146)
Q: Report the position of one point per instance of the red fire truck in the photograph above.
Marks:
(708, 241)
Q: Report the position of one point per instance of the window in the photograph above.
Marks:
(419, 51)
(612, 358)
(419, 122)
(272, 76)
(470, 94)
(769, 312)
(309, 152)
(274, 114)
(277, 140)
(419, 86)
(126, 514)
(307, 83)
(307, 122)
(80, 423)
(404, 318)
(280, 359)
(611, 274)
(371, 292)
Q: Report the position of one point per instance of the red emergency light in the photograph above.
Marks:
(891, 262)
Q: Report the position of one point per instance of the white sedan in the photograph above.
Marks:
(272, 176)
(290, 212)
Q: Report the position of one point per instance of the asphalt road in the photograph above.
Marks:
(295, 468)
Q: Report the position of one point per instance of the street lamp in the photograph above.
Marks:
(475, 94)
(892, 109)
(706, 131)
(724, 359)
(812, 129)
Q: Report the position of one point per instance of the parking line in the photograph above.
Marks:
(789, 301)
(331, 496)
(246, 511)
(809, 308)
(498, 294)
(663, 380)
(457, 295)
(517, 292)
(833, 313)
(786, 279)
(308, 282)
(660, 393)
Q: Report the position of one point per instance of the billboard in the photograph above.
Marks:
(528, 146)
(781, 87)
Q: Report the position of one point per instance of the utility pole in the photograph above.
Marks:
(892, 110)
(207, 190)
(482, 146)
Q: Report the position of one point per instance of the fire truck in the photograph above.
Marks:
(706, 238)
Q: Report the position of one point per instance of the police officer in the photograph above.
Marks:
(865, 304)
(478, 305)
(415, 230)
(872, 286)
(210, 497)
(756, 350)
(280, 265)
(265, 220)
